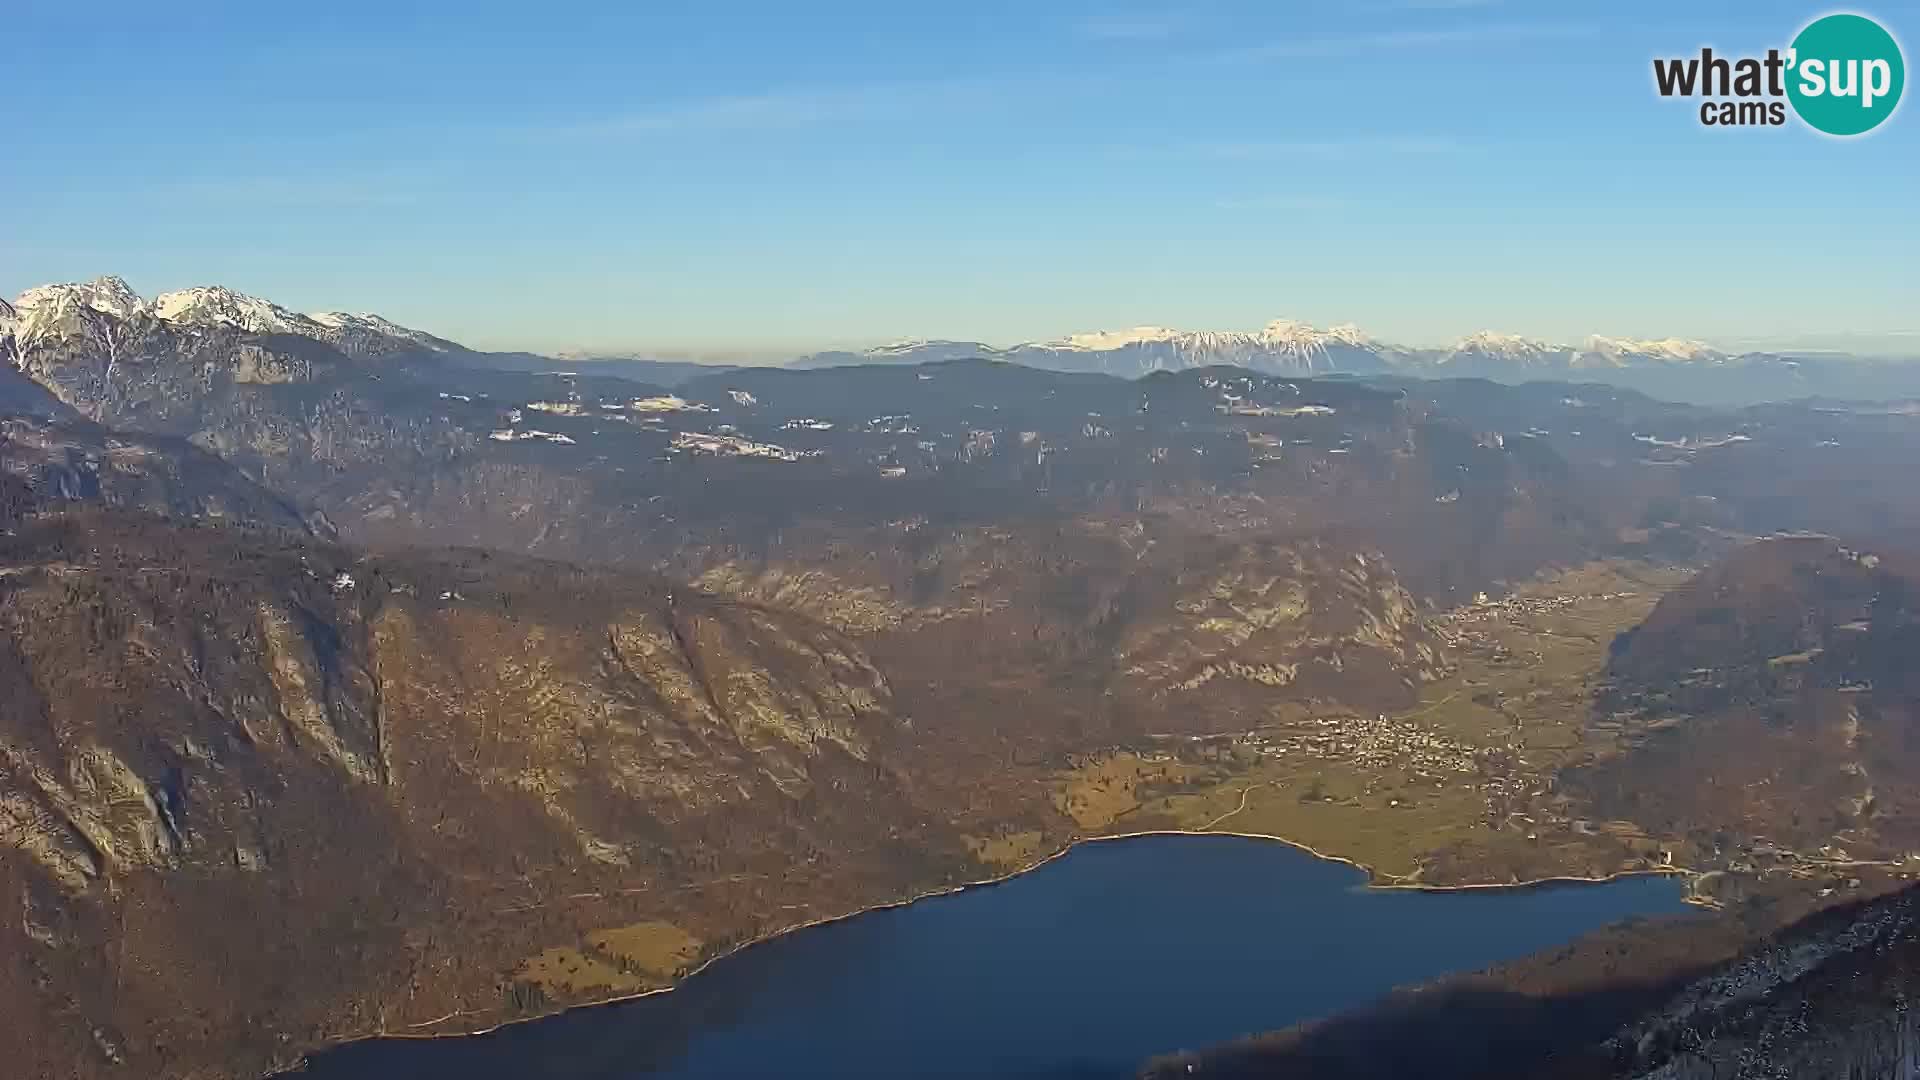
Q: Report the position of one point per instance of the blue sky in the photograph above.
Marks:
(735, 180)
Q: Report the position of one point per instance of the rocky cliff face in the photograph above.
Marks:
(57, 463)
(436, 768)
(1306, 617)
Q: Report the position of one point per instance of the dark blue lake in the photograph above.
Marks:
(1083, 968)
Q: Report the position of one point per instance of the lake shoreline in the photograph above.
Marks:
(1372, 883)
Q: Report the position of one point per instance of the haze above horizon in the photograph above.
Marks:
(755, 183)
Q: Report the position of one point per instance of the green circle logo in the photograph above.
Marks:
(1845, 74)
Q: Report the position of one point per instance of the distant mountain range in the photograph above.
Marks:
(1673, 368)
(1287, 347)
(1282, 347)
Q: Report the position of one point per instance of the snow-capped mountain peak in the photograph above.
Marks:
(1304, 340)
(48, 311)
(218, 305)
(1672, 350)
(1105, 340)
(107, 294)
(99, 305)
(1284, 345)
(1287, 340)
(1509, 347)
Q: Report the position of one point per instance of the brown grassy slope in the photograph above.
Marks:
(1783, 685)
(246, 805)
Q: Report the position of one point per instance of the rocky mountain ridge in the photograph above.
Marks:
(54, 309)
(206, 732)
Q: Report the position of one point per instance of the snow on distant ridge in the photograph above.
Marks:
(910, 345)
(1286, 336)
(1283, 344)
(1102, 340)
(1506, 346)
(217, 305)
(1293, 347)
(1295, 342)
(344, 320)
(370, 332)
(1678, 350)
